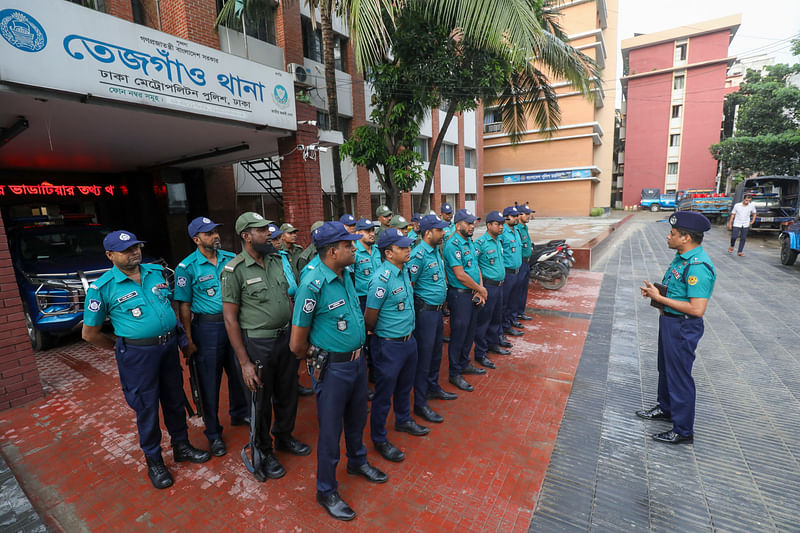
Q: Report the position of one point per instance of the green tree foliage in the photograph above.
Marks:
(766, 140)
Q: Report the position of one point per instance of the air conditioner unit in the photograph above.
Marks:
(300, 74)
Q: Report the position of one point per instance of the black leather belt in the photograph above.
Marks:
(399, 339)
(151, 341)
(422, 306)
(512, 270)
(342, 357)
(216, 317)
(492, 282)
(266, 333)
(460, 290)
(676, 315)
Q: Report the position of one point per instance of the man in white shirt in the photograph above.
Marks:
(742, 216)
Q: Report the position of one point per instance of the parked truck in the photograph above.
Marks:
(775, 199)
(653, 200)
(716, 206)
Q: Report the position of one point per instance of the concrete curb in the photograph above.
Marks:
(584, 253)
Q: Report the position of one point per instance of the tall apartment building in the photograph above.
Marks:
(674, 85)
(569, 171)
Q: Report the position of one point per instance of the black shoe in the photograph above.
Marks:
(411, 427)
(505, 344)
(524, 317)
(445, 339)
(217, 447)
(368, 471)
(370, 395)
(672, 438)
(461, 383)
(656, 413)
(469, 369)
(158, 473)
(304, 391)
(484, 361)
(389, 452)
(517, 324)
(271, 467)
(428, 414)
(442, 394)
(499, 350)
(336, 506)
(183, 451)
(513, 332)
(236, 421)
(292, 445)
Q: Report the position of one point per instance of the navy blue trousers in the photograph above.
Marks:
(463, 317)
(677, 341)
(341, 404)
(395, 369)
(429, 332)
(523, 284)
(510, 288)
(215, 355)
(152, 375)
(488, 326)
(741, 234)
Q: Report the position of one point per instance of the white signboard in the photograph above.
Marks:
(60, 45)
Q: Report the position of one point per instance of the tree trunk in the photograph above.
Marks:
(425, 198)
(325, 9)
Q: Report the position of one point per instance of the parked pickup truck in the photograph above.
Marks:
(775, 199)
(653, 200)
(713, 205)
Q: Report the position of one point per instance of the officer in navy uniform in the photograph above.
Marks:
(524, 278)
(327, 316)
(136, 298)
(390, 316)
(690, 281)
(199, 300)
(257, 312)
(490, 317)
(512, 256)
(465, 292)
(426, 271)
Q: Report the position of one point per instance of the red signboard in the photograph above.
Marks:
(48, 189)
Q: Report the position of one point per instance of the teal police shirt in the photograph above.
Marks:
(315, 263)
(461, 252)
(197, 282)
(288, 272)
(512, 249)
(391, 294)
(690, 275)
(136, 311)
(367, 263)
(524, 239)
(490, 257)
(328, 305)
(426, 271)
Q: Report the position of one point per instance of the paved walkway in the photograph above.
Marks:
(743, 471)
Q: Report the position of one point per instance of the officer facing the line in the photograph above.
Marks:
(426, 271)
(199, 298)
(490, 316)
(447, 216)
(384, 216)
(464, 293)
(390, 316)
(512, 257)
(690, 281)
(257, 312)
(327, 318)
(525, 268)
(289, 243)
(136, 298)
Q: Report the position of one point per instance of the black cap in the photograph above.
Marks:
(690, 221)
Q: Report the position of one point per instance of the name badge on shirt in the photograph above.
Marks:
(336, 304)
(205, 278)
(126, 297)
(253, 280)
(398, 290)
(676, 274)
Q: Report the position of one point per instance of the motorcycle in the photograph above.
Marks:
(565, 253)
(547, 268)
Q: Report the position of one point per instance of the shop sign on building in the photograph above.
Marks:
(66, 47)
(548, 176)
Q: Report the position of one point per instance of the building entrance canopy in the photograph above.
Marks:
(82, 90)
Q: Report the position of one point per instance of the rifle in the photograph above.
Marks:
(256, 460)
(197, 391)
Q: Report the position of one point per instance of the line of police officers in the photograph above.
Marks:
(346, 298)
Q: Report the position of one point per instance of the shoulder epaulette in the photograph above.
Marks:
(153, 266)
(419, 254)
(102, 280)
(384, 275)
(230, 266)
(315, 285)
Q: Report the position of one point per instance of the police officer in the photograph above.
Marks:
(349, 222)
(512, 257)
(490, 316)
(426, 271)
(465, 291)
(689, 281)
(136, 298)
(525, 267)
(327, 316)
(414, 231)
(289, 243)
(305, 257)
(384, 216)
(257, 311)
(368, 258)
(400, 222)
(390, 316)
(200, 309)
(447, 216)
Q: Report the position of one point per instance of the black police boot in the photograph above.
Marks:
(217, 447)
(369, 472)
(410, 426)
(389, 451)
(523, 316)
(304, 391)
(499, 350)
(271, 467)
(236, 421)
(504, 342)
(183, 451)
(469, 369)
(485, 362)
(158, 473)
(513, 332)
(517, 324)
(461, 383)
(335, 506)
(442, 394)
(292, 445)
(428, 414)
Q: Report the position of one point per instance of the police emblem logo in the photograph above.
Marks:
(309, 305)
(93, 306)
(436, 277)
(341, 324)
(491, 261)
(469, 263)
(22, 31)
(206, 220)
(673, 219)
(401, 306)
(380, 292)
(513, 248)
(136, 312)
(181, 281)
(414, 269)
(124, 237)
(211, 291)
(257, 216)
(692, 280)
(458, 254)
(366, 272)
